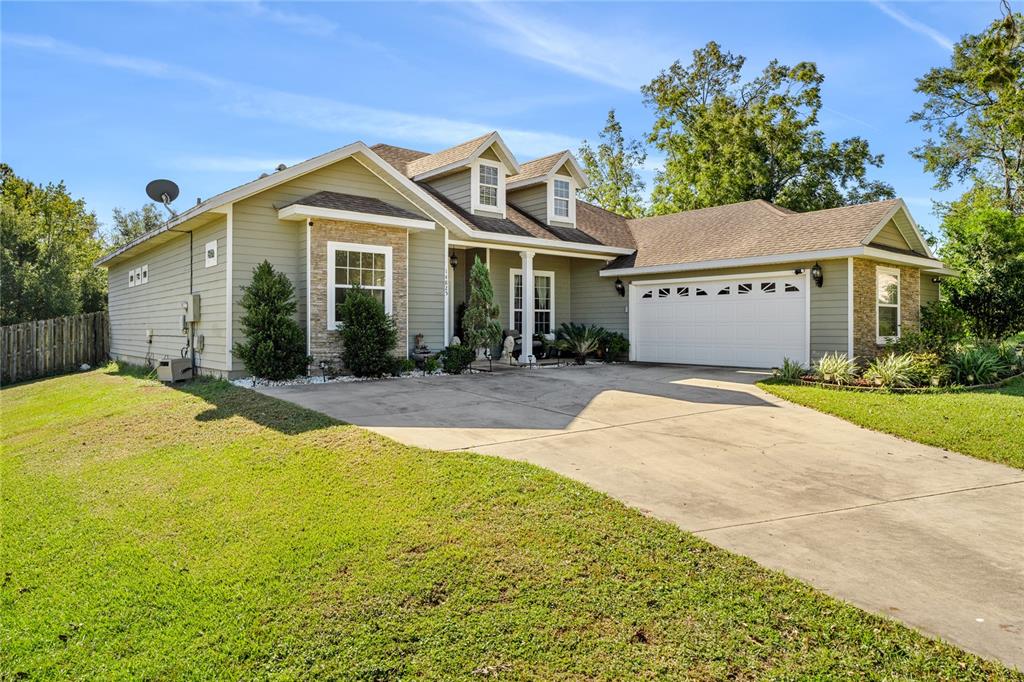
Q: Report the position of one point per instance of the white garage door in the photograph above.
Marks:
(749, 322)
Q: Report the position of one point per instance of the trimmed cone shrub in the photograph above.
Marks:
(368, 335)
(480, 323)
(274, 346)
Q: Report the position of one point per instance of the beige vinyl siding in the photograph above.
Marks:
(532, 200)
(829, 303)
(890, 236)
(456, 187)
(929, 289)
(427, 265)
(489, 154)
(594, 299)
(259, 235)
(156, 305)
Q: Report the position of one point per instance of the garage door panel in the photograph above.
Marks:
(754, 322)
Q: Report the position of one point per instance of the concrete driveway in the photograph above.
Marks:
(930, 537)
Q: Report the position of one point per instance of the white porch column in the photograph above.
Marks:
(527, 330)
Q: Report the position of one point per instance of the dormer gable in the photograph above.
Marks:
(471, 174)
(546, 188)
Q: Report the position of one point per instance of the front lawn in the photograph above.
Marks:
(986, 424)
(212, 532)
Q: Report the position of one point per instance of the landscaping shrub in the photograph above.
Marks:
(836, 368)
(790, 370)
(891, 371)
(403, 366)
(456, 359)
(944, 322)
(976, 365)
(430, 365)
(580, 340)
(1010, 353)
(480, 324)
(368, 335)
(925, 367)
(616, 347)
(275, 346)
(919, 342)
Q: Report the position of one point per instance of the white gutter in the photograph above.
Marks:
(857, 251)
(301, 211)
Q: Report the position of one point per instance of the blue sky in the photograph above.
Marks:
(107, 96)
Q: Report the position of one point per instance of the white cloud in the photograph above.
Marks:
(307, 111)
(309, 24)
(914, 25)
(616, 59)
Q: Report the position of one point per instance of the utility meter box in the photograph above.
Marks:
(174, 369)
(190, 308)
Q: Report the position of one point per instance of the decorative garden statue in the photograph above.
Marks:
(506, 349)
(420, 350)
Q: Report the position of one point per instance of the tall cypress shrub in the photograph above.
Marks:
(480, 323)
(274, 346)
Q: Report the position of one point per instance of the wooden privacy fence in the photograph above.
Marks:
(44, 347)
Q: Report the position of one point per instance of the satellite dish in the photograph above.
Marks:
(163, 191)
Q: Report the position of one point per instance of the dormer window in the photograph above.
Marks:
(561, 206)
(488, 185)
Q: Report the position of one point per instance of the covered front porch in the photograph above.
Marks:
(536, 291)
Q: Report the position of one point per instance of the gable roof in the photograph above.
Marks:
(540, 170)
(753, 229)
(460, 155)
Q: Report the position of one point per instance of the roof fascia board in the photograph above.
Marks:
(715, 278)
(301, 211)
(735, 262)
(496, 246)
(906, 259)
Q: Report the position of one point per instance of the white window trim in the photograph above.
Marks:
(474, 187)
(512, 296)
(333, 247)
(210, 262)
(879, 339)
(552, 218)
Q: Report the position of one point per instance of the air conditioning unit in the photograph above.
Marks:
(174, 369)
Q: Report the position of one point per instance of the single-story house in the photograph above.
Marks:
(746, 284)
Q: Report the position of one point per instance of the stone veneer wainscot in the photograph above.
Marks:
(865, 333)
(325, 344)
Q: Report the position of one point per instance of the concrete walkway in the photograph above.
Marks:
(930, 537)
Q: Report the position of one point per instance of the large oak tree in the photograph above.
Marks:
(726, 140)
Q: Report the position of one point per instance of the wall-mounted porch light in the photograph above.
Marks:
(817, 275)
(453, 260)
(620, 287)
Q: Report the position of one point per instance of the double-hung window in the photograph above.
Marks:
(543, 302)
(349, 265)
(561, 190)
(887, 303)
(488, 185)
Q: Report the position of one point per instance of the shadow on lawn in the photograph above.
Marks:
(227, 400)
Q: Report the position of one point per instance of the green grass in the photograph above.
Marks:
(212, 532)
(985, 424)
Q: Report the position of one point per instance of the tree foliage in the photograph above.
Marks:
(727, 141)
(48, 243)
(975, 109)
(984, 241)
(131, 224)
(275, 346)
(480, 323)
(612, 168)
(368, 335)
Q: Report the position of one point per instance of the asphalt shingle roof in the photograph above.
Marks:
(459, 152)
(536, 168)
(352, 202)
